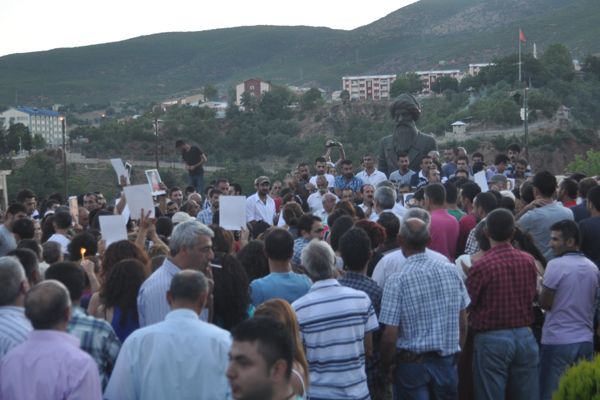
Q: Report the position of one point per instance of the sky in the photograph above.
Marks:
(34, 25)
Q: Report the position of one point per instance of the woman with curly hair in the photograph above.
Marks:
(118, 296)
(117, 251)
(281, 311)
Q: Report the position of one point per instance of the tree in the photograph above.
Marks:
(409, 83)
(309, 99)
(249, 101)
(345, 96)
(39, 172)
(558, 63)
(18, 136)
(210, 93)
(274, 103)
(444, 83)
(589, 165)
(591, 65)
(38, 142)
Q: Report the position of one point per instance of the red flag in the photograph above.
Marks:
(522, 36)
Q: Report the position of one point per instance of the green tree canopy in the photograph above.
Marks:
(558, 63)
(210, 93)
(408, 83)
(309, 99)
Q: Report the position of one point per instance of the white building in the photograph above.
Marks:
(428, 78)
(459, 128)
(369, 87)
(475, 69)
(42, 122)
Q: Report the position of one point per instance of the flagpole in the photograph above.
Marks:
(519, 56)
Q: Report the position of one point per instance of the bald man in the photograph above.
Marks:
(50, 357)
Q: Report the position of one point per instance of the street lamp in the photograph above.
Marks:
(63, 123)
(157, 110)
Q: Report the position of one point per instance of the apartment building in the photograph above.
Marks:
(46, 123)
(369, 87)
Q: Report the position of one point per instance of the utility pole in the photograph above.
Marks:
(526, 122)
(63, 123)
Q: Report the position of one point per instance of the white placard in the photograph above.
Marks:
(120, 169)
(481, 180)
(113, 228)
(232, 212)
(139, 197)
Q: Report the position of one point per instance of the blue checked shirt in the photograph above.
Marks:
(365, 284)
(341, 183)
(97, 338)
(424, 299)
(362, 282)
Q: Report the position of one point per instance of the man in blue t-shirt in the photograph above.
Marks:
(281, 282)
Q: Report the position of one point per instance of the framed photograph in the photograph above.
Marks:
(74, 209)
(154, 181)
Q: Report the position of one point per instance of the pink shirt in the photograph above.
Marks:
(444, 233)
(49, 365)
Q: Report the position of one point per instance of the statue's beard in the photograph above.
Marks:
(406, 133)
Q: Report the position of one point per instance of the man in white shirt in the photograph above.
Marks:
(62, 222)
(320, 169)
(384, 200)
(155, 361)
(260, 206)
(329, 201)
(367, 192)
(370, 175)
(315, 200)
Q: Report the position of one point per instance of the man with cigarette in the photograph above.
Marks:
(191, 248)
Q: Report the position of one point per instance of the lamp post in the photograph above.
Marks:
(63, 123)
(157, 111)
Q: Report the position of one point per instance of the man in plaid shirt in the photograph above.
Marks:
(502, 287)
(355, 247)
(424, 313)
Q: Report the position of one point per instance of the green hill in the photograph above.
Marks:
(418, 36)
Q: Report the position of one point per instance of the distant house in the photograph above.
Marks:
(255, 86)
(46, 123)
(368, 87)
(475, 69)
(459, 128)
(428, 78)
(299, 91)
(220, 108)
(193, 100)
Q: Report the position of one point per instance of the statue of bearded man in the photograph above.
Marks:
(405, 110)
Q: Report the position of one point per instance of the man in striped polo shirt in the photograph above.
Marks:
(336, 324)
(14, 326)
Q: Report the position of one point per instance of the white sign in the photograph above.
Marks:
(113, 228)
(232, 212)
(120, 169)
(481, 180)
(139, 197)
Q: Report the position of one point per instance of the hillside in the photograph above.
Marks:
(418, 36)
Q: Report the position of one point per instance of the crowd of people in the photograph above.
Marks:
(345, 284)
